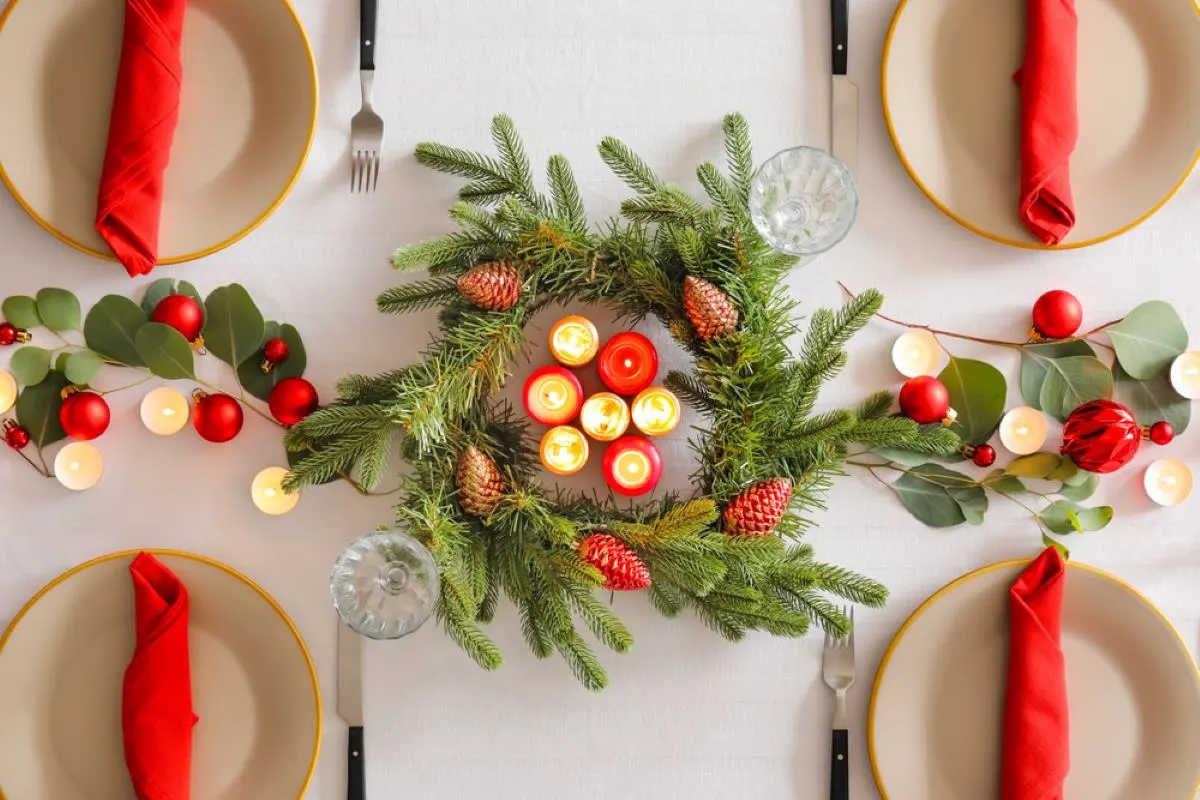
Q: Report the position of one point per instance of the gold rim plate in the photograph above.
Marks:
(935, 724)
(61, 666)
(951, 107)
(247, 118)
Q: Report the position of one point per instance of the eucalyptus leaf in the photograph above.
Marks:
(60, 363)
(973, 501)
(38, 410)
(1082, 489)
(905, 458)
(81, 367)
(165, 351)
(59, 309)
(1008, 485)
(1153, 399)
(1068, 473)
(940, 497)
(1057, 545)
(1035, 363)
(111, 328)
(21, 311)
(250, 373)
(156, 293)
(234, 327)
(1061, 517)
(977, 391)
(31, 365)
(1035, 465)
(1148, 339)
(1071, 382)
(1094, 519)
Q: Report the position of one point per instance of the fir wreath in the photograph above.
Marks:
(765, 458)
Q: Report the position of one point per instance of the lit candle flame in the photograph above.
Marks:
(564, 450)
(656, 411)
(574, 341)
(1168, 481)
(268, 495)
(1023, 430)
(604, 416)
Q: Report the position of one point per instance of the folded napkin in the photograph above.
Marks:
(144, 114)
(1049, 119)
(157, 706)
(1036, 756)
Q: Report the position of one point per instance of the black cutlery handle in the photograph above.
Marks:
(840, 13)
(839, 766)
(356, 774)
(368, 10)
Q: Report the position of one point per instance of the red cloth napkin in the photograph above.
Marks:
(1036, 757)
(157, 711)
(144, 114)
(1049, 119)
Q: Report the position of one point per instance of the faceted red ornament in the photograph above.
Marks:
(217, 417)
(275, 352)
(292, 400)
(984, 455)
(15, 436)
(925, 399)
(10, 333)
(623, 571)
(182, 313)
(1057, 314)
(84, 415)
(1162, 433)
(1101, 436)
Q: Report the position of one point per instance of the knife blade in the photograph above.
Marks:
(844, 103)
(350, 708)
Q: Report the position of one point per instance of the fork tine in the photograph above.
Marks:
(851, 627)
(353, 170)
(375, 178)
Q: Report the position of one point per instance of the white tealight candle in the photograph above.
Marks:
(268, 495)
(78, 466)
(8, 390)
(165, 411)
(1168, 481)
(1185, 374)
(917, 353)
(1023, 430)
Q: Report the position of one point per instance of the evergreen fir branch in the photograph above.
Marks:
(373, 459)
(467, 635)
(457, 250)
(661, 208)
(568, 205)
(885, 432)
(515, 161)
(417, 296)
(475, 220)
(687, 519)
(333, 421)
(721, 192)
(629, 167)
(821, 611)
(690, 390)
(933, 440)
(875, 406)
(485, 192)
(690, 247)
(739, 153)
(666, 598)
(601, 620)
(463, 163)
(583, 662)
(718, 620)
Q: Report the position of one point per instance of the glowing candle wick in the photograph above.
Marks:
(1170, 480)
(269, 492)
(1023, 430)
(628, 363)
(168, 412)
(1192, 371)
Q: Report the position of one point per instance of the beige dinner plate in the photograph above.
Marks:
(1132, 685)
(61, 666)
(247, 118)
(952, 110)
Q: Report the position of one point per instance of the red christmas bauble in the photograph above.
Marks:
(182, 313)
(217, 417)
(1162, 432)
(1101, 436)
(1057, 314)
(9, 333)
(16, 436)
(275, 351)
(292, 400)
(84, 415)
(924, 399)
(984, 455)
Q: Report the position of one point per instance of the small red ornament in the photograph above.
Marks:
(292, 400)
(925, 399)
(84, 415)
(1101, 436)
(627, 363)
(984, 455)
(10, 333)
(1162, 432)
(1056, 315)
(182, 313)
(623, 571)
(15, 436)
(217, 417)
(275, 352)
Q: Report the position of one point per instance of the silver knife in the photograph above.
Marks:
(844, 106)
(350, 708)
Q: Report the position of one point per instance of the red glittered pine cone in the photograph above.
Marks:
(1101, 436)
(758, 509)
(493, 286)
(710, 310)
(623, 571)
(480, 484)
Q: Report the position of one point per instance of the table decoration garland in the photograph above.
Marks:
(731, 552)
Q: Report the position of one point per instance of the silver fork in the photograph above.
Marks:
(366, 127)
(838, 672)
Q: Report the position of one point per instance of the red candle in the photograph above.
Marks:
(632, 466)
(628, 363)
(553, 395)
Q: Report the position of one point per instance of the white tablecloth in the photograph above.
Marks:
(687, 715)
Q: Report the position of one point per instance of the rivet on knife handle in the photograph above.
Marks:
(840, 13)
(368, 10)
(356, 777)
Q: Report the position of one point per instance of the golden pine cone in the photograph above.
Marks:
(492, 286)
(480, 484)
(758, 509)
(711, 311)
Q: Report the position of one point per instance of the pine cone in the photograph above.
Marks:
(758, 509)
(623, 571)
(711, 311)
(480, 484)
(493, 286)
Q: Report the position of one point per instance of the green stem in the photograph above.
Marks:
(29, 461)
(127, 386)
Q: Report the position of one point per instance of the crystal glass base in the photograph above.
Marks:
(803, 201)
(385, 585)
